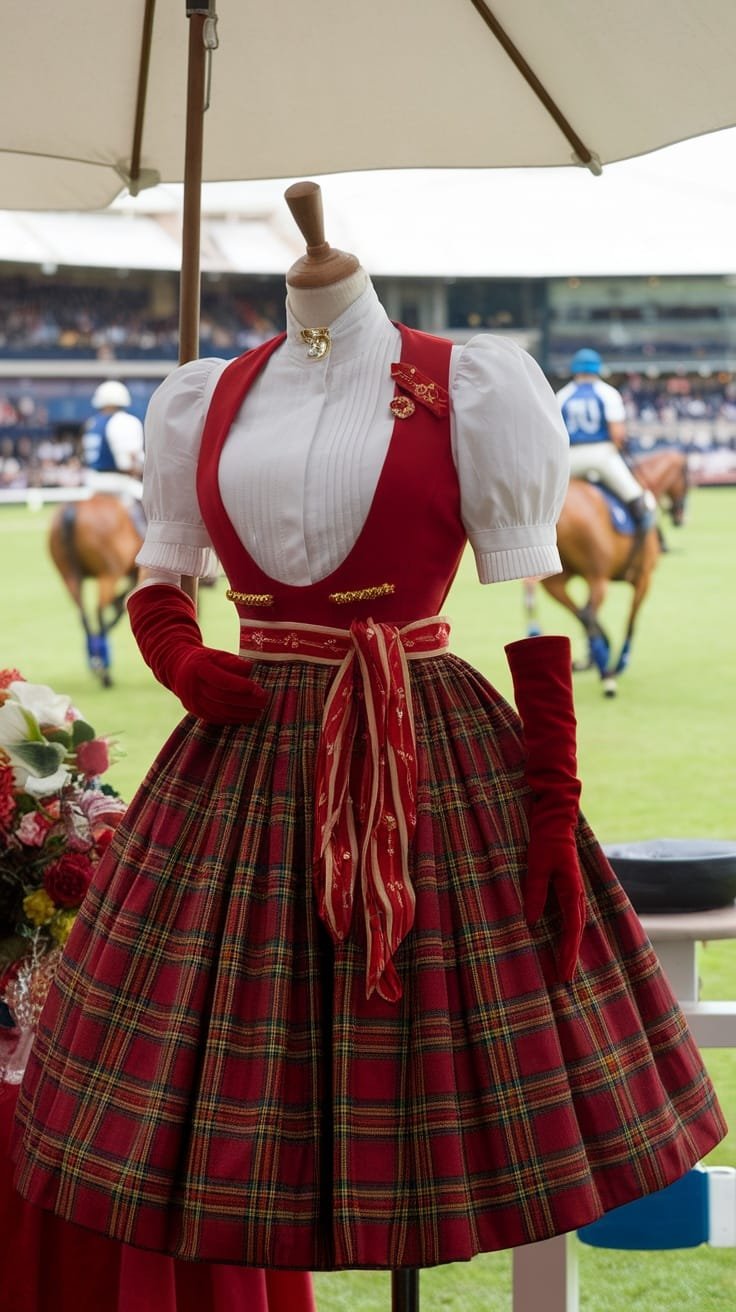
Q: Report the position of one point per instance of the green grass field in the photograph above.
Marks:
(657, 761)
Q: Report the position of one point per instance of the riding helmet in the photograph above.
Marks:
(111, 394)
(586, 361)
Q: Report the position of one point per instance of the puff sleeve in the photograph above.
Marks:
(511, 451)
(176, 538)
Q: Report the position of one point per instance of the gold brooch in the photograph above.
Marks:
(318, 342)
(363, 594)
(250, 598)
(402, 407)
(423, 388)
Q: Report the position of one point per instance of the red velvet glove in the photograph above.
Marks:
(211, 684)
(541, 669)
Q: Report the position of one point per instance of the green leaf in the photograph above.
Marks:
(34, 729)
(59, 736)
(41, 759)
(82, 732)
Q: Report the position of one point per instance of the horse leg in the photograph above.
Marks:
(116, 605)
(641, 589)
(530, 608)
(599, 643)
(74, 587)
(106, 600)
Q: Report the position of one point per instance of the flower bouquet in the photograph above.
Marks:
(56, 820)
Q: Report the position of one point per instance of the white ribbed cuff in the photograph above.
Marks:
(517, 563)
(196, 562)
(179, 548)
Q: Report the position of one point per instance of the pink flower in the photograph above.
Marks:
(33, 829)
(93, 757)
(101, 808)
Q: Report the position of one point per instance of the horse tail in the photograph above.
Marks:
(67, 525)
(63, 551)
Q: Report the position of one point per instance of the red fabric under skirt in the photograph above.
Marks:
(49, 1265)
(210, 1080)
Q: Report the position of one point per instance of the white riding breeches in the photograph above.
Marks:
(122, 485)
(603, 462)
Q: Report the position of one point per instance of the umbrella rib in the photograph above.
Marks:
(46, 154)
(527, 72)
(142, 92)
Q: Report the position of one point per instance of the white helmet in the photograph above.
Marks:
(111, 394)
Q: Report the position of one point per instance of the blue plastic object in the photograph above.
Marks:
(675, 1217)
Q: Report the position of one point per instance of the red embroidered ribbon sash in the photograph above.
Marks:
(366, 775)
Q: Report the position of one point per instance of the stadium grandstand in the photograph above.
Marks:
(84, 297)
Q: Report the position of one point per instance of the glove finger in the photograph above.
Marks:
(225, 660)
(234, 703)
(573, 926)
(228, 691)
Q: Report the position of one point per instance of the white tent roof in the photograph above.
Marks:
(668, 213)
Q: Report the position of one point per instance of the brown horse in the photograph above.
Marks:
(666, 475)
(96, 539)
(592, 549)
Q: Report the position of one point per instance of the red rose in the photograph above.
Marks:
(7, 797)
(66, 881)
(93, 757)
(103, 839)
(10, 676)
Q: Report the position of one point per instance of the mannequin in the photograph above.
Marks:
(388, 927)
(322, 284)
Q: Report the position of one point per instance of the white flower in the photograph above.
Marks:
(41, 786)
(45, 705)
(37, 763)
(13, 724)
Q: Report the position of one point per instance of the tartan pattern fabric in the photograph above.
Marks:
(210, 1079)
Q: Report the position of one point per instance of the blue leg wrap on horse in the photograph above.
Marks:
(623, 659)
(98, 649)
(600, 652)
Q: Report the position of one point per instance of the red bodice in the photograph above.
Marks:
(409, 548)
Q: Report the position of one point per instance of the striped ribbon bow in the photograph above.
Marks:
(366, 774)
(366, 790)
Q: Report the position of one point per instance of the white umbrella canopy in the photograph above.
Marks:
(98, 95)
(344, 85)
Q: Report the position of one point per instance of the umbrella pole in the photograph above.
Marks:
(405, 1290)
(189, 281)
(189, 285)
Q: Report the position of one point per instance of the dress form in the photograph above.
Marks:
(324, 281)
(321, 284)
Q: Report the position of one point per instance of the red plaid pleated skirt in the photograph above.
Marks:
(209, 1079)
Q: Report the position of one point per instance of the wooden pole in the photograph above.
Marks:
(189, 281)
(189, 284)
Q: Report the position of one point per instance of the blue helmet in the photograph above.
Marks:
(586, 361)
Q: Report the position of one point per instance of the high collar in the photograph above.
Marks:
(354, 332)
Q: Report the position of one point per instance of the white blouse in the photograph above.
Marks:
(302, 460)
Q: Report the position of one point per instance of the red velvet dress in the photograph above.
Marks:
(213, 1078)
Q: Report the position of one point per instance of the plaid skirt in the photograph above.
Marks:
(210, 1080)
